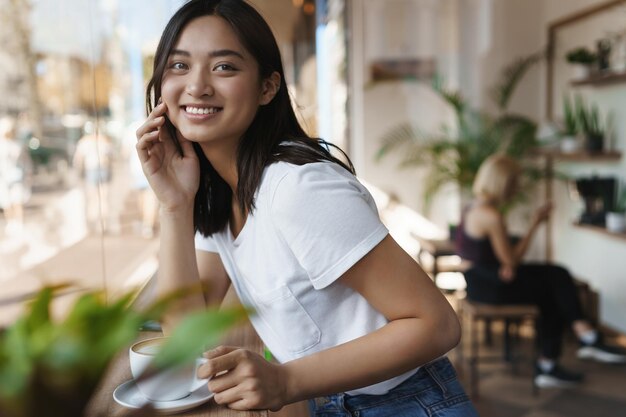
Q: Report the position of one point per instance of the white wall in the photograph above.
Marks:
(395, 29)
(488, 35)
(596, 257)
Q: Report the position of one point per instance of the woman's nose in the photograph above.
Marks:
(198, 84)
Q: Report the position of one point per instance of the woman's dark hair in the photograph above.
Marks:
(274, 135)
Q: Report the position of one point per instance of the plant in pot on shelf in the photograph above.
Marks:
(454, 154)
(591, 126)
(616, 217)
(582, 60)
(571, 129)
(52, 367)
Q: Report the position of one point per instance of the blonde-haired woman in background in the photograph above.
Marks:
(499, 276)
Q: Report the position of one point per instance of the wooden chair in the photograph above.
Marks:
(471, 313)
(439, 248)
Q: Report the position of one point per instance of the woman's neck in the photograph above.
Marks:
(224, 161)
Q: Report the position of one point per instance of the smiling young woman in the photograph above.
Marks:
(248, 199)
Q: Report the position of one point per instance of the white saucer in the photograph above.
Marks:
(128, 395)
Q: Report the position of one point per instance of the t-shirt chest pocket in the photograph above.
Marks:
(288, 320)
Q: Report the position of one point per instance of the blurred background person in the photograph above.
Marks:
(147, 202)
(15, 172)
(500, 275)
(93, 161)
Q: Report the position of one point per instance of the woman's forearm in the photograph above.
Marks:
(522, 246)
(177, 263)
(392, 350)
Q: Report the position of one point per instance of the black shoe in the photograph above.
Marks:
(558, 377)
(601, 352)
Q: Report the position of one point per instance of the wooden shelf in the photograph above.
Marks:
(602, 79)
(602, 230)
(582, 156)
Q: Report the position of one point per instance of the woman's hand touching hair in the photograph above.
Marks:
(173, 176)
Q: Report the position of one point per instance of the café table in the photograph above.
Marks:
(103, 404)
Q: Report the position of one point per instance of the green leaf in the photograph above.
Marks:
(40, 310)
(511, 76)
(196, 333)
(570, 121)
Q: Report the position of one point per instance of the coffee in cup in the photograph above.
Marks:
(166, 385)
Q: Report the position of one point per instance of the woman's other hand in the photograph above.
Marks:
(507, 273)
(243, 380)
(173, 177)
(543, 213)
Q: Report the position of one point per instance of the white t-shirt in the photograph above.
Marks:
(311, 223)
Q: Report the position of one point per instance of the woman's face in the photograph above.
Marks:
(211, 84)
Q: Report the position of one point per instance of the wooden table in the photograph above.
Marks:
(103, 404)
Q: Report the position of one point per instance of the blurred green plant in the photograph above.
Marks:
(592, 125)
(620, 202)
(580, 55)
(589, 118)
(454, 154)
(571, 124)
(51, 368)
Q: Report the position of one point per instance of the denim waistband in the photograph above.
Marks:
(431, 375)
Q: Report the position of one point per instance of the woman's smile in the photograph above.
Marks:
(200, 113)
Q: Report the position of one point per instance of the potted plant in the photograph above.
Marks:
(454, 154)
(571, 129)
(591, 125)
(616, 218)
(582, 59)
(52, 367)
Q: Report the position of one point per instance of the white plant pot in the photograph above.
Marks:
(580, 71)
(570, 144)
(616, 222)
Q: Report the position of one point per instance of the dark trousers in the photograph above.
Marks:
(549, 287)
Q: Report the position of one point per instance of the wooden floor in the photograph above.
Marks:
(502, 394)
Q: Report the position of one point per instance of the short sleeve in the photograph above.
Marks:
(328, 219)
(205, 243)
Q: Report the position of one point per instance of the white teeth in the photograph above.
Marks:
(201, 110)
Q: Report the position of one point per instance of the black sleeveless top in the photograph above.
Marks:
(478, 251)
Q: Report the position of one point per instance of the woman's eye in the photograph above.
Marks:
(223, 67)
(178, 66)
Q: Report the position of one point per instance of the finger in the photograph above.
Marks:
(150, 125)
(220, 360)
(223, 382)
(159, 109)
(145, 144)
(157, 115)
(213, 367)
(219, 351)
(148, 139)
(229, 397)
(241, 405)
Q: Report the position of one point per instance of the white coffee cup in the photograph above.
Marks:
(168, 385)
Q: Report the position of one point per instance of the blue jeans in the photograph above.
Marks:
(434, 390)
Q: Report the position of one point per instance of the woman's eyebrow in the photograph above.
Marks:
(219, 53)
(225, 52)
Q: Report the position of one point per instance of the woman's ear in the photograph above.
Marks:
(271, 85)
